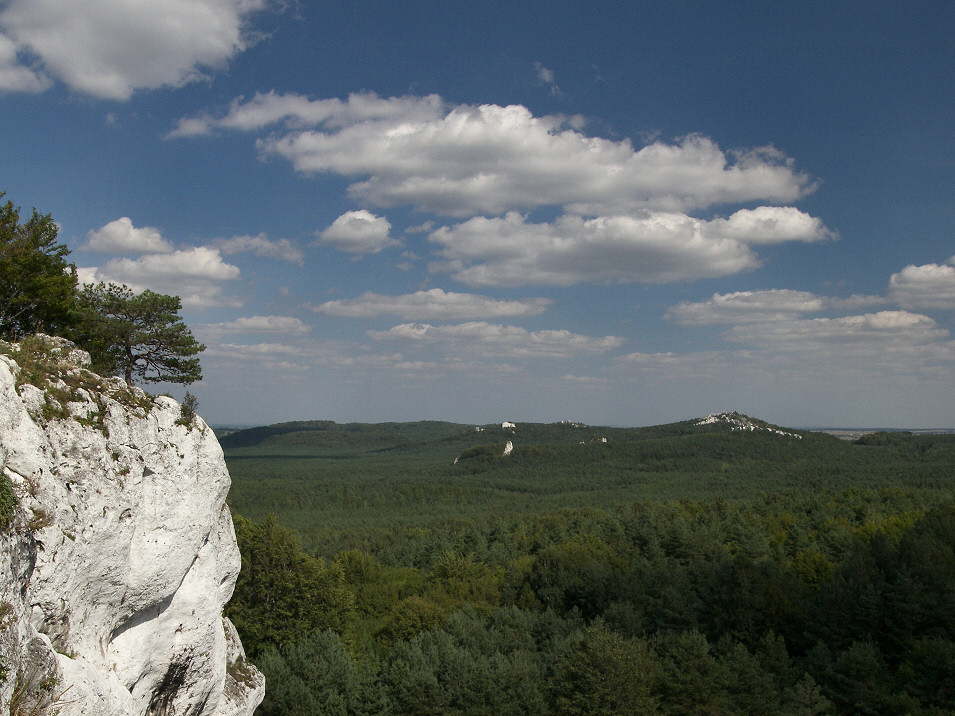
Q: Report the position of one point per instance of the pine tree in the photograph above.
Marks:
(37, 285)
(137, 335)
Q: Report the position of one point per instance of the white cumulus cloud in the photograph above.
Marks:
(110, 48)
(761, 306)
(467, 160)
(432, 305)
(746, 307)
(653, 247)
(925, 287)
(870, 344)
(809, 353)
(488, 339)
(195, 275)
(358, 232)
(121, 237)
(871, 334)
(771, 225)
(298, 111)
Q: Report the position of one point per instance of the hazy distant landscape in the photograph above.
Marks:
(328, 480)
(716, 565)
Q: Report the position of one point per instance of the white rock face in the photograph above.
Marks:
(120, 557)
(738, 422)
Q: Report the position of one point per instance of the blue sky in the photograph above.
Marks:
(618, 213)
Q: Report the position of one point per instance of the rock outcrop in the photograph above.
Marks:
(738, 422)
(119, 553)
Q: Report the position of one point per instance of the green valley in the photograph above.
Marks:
(717, 565)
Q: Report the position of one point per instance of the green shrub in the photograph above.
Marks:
(8, 501)
(187, 410)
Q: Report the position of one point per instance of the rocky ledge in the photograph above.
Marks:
(117, 547)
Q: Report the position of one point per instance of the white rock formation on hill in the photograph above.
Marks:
(120, 553)
(739, 422)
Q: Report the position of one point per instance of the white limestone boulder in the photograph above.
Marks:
(121, 553)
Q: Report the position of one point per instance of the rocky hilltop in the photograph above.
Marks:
(738, 422)
(117, 547)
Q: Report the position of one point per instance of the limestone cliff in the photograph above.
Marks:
(119, 553)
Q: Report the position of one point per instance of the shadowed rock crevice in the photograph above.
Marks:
(141, 617)
(161, 703)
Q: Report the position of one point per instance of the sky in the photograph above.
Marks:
(614, 213)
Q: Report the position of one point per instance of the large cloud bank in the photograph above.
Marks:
(110, 48)
(466, 160)
(623, 213)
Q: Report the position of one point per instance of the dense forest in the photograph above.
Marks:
(690, 568)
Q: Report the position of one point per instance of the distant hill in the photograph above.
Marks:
(336, 484)
(323, 435)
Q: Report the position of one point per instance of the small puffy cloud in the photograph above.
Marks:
(466, 160)
(287, 325)
(262, 245)
(746, 307)
(121, 237)
(546, 76)
(358, 232)
(925, 287)
(771, 225)
(89, 274)
(653, 247)
(433, 305)
(495, 340)
(110, 48)
(199, 262)
(193, 274)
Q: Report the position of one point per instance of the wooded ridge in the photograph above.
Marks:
(694, 567)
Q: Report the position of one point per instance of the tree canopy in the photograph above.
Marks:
(676, 569)
(37, 285)
(137, 335)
